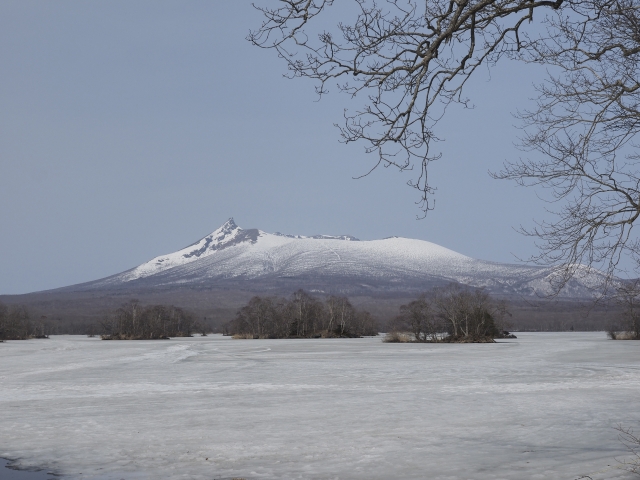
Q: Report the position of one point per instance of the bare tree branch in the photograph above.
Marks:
(410, 58)
(587, 114)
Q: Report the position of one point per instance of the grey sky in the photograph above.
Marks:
(131, 129)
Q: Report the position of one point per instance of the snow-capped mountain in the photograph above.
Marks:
(232, 256)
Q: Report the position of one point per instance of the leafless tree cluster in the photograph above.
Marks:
(301, 316)
(16, 324)
(410, 59)
(133, 321)
(451, 314)
(419, 318)
(628, 325)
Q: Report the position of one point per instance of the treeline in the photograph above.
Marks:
(450, 314)
(301, 316)
(627, 326)
(133, 321)
(16, 324)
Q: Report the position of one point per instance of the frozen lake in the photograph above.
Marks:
(539, 407)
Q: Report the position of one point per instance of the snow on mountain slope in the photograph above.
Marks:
(254, 252)
(231, 252)
(228, 235)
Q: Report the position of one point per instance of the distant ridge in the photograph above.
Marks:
(233, 257)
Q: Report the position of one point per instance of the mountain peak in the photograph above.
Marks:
(234, 254)
(229, 225)
(228, 234)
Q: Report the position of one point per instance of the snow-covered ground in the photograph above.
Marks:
(539, 407)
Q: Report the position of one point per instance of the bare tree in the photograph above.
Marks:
(420, 318)
(410, 59)
(365, 324)
(308, 314)
(261, 317)
(343, 319)
(345, 315)
(630, 440)
(3, 322)
(469, 314)
(450, 314)
(628, 297)
(333, 304)
(15, 323)
(587, 116)
(301, 316)
(133, 321)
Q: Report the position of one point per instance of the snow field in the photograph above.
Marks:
(539, 407)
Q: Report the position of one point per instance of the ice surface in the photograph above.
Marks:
(539, 407)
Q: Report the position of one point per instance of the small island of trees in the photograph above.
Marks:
(133, 321)
(301, 316)
(16, 324)
(450, 314)
(628, 325)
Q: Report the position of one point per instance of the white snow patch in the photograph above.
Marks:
(231, 252)
(542, 406)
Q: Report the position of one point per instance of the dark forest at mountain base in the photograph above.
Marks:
(80, 312)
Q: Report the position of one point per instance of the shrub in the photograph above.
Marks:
(398, 337)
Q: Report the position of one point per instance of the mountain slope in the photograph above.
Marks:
(232, 256)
